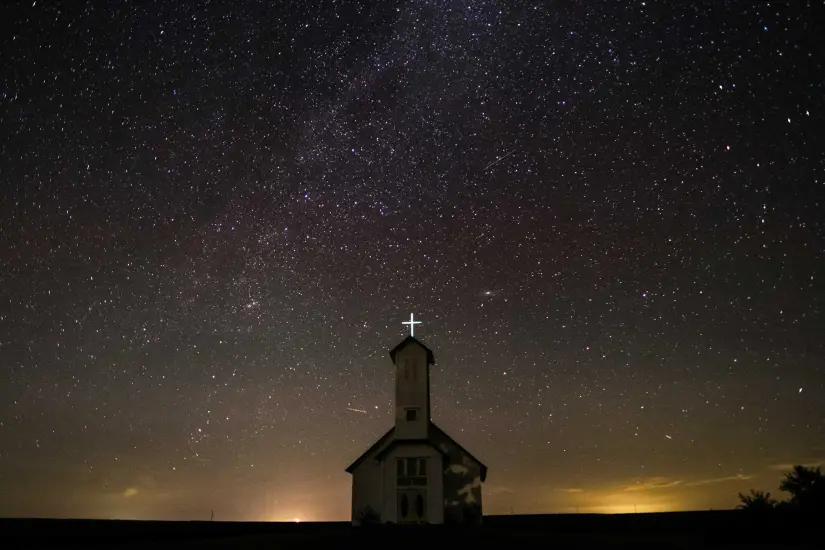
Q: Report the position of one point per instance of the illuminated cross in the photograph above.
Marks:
(412, 324)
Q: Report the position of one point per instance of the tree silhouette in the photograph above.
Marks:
(806, 487)
(756, 501)
(787, 520)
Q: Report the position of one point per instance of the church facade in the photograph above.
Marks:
(415, 472)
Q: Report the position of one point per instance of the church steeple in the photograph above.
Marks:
(412, 361)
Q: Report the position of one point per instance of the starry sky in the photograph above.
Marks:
(215, 216)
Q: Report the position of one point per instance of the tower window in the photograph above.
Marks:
(412, 414)
(409, 370)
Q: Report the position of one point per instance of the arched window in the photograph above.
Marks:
(419, 506)
(405, 505)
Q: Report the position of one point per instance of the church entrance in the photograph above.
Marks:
(412, 506)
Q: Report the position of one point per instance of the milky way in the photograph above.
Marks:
(215, 217)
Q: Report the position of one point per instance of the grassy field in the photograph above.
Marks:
(723, 529)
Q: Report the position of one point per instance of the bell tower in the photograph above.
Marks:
(412, 361)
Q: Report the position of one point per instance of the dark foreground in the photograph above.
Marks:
(722, 529)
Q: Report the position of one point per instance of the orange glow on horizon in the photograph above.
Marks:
(288, 517)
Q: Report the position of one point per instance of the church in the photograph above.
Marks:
(416, 473)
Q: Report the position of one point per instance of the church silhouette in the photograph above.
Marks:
(415, 473)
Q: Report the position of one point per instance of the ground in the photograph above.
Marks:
(728, 529)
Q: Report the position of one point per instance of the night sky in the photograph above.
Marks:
(609, 216)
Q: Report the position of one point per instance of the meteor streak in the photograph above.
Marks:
(499, 159)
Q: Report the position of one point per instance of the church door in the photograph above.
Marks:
(412, 493)
(412, 506)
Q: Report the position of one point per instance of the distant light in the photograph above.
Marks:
(800, 390)
(297, 520)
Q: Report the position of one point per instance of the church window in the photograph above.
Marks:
(405, 505)
(411, 414)
(412, 472)
(419, 505)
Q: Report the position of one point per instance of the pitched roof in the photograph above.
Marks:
(430, 440)
(463, 450)
(383, 439)
(408, 340)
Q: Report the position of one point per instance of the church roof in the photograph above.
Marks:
(438, 430)
(387, 442)
(381, 440)
(408, 340)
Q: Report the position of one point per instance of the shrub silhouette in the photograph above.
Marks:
(369, 516)
(756, 501)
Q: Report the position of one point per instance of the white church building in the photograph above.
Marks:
(416, 473)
